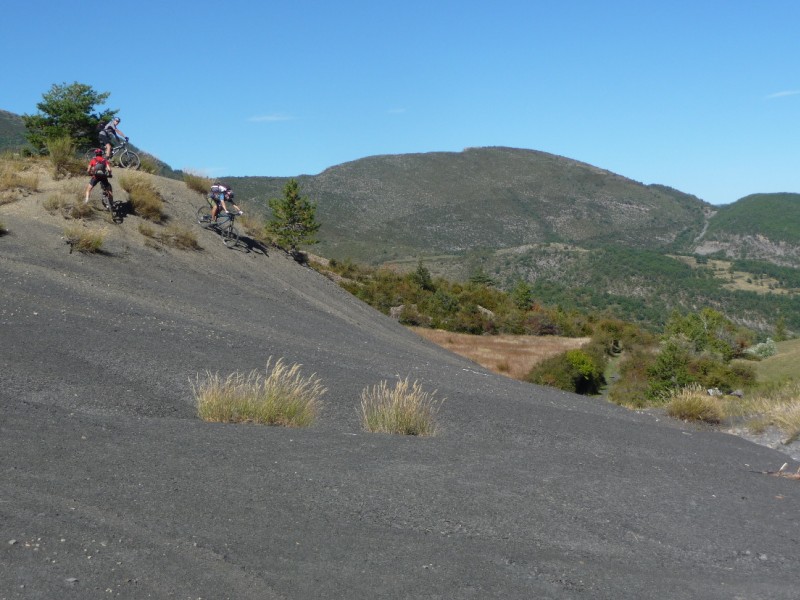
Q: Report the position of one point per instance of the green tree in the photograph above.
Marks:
(67, 111)
(522, 294)
(293, 218)
(422, 277)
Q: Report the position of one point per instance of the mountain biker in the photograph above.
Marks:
(100, 170)
(107, 131)
(216, 198)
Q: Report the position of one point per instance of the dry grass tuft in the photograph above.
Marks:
(197, 183)
(143, 196)
(692, 403)
(281, 396)
(16, 181)
(69, 208)
(174, 236)
(404, 409)
(65, 162)
(778, 407)
(84, 239)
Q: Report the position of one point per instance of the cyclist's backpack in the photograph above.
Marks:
(100, 169)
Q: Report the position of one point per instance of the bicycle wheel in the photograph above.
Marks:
(204, 215)
(230, 236)
(89, 155)
(129, 160)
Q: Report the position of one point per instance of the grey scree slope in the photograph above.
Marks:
(110, 485)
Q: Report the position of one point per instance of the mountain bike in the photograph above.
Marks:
(115, 207)
(121, 155)
(223, 224)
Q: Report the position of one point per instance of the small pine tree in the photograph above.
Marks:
(422, 277)
(522, 295)
(67, 111)
(293, 218)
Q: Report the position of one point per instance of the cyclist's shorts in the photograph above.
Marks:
(104, 137)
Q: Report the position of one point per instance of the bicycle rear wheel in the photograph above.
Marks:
(204, 215)
(230, 236)
(129, 160)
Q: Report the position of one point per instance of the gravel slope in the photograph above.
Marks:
(110, 485)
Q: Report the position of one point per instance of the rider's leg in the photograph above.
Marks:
(89, 187)
(108, 150)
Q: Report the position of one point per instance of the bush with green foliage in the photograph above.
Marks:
(763, 350)
(67, 111)
(579, 371)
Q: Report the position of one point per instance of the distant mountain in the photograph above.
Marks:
(388, 207)
(12, 131)
(581, 236)
(761, 226)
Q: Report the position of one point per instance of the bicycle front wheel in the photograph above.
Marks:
(204, 215)
(230, 236)
(129, 160)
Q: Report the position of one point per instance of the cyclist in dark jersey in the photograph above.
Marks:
(105, 135)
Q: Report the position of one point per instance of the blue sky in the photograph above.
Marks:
(703, 96)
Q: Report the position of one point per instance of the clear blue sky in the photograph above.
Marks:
(703, 96)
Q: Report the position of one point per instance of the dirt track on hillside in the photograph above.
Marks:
(112, 487)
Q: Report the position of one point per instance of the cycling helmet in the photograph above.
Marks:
(117, 119)
(98, 152)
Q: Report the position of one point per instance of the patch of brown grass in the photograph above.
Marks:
(84, 239)
(17, 179)
(197, 183)
(143, 196)
(510, 355)
(175, 236)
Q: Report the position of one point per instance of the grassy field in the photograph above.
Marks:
(784, 365)
(510, 355)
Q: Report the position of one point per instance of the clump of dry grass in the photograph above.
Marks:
(255, 228)
(175, 236)
(143, 196)
(778, 407)
(84, 239)
(404, 409)
(65, 162)
(66, 205)
(280, 396)
(15, 179)
(692, 403)
(148, 164)
(197, 183)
